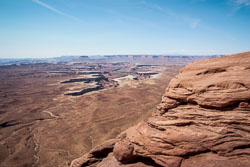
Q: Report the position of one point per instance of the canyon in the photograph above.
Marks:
(54, 110)
(202, 120)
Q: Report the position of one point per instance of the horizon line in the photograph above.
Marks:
(102, 55)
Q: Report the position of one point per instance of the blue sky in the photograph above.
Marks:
(49, 28)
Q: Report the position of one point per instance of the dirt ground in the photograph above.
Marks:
(40, 126)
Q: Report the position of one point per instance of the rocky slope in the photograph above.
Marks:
(203, 120)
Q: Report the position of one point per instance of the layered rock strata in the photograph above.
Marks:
(203, 120)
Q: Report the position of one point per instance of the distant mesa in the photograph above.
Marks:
(147, 73)
(146, 65)
(84, 57)
(78, 60)
(98, 79)
(84, 91)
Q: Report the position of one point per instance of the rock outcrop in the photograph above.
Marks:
(202, 121)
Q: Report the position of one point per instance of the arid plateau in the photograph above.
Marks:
(53, 111)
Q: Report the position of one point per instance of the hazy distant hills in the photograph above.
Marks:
(70, 59)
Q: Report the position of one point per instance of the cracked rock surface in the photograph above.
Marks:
(203, 120)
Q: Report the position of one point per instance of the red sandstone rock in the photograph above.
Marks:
(95, 155)
(203, 120)
(123, 151)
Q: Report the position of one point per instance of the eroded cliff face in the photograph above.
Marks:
(203, 120)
